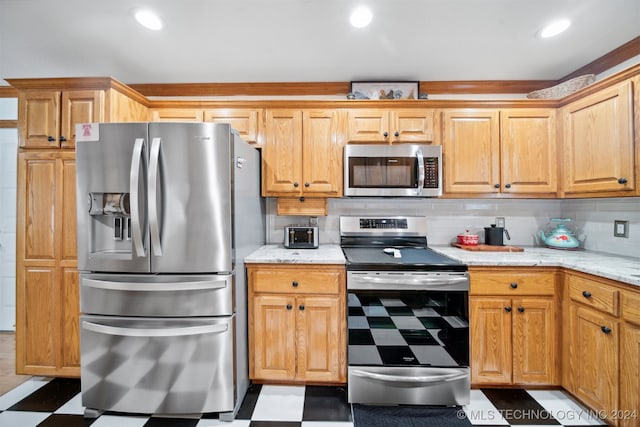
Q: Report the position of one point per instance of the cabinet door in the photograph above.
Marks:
(273, 349)
(66, 190)
(282, 153)
(322, 154)
(598, 146)
(593, 355)
(528, 149)
(491, 357)
(471, 151)
(245, 121)
(39, 119)
(176, 115)
(411, 125)
(80, 106)
(630, 375)
(535, 350)
(69, 345)
(319, 343)
(367, 125)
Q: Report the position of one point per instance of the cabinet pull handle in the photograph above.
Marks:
(50, 138)
(295, 283)
(302, 199)
(521, 309)
(62, 139)
(586, 294)
(508, 185)
(496, 185)
(301, 307)
(289, 306)
(295, 184)
(606, 329)
(514, 285)
(306, 184)
(507, 309)
(396, 134)
(385, 134)
(622, 180)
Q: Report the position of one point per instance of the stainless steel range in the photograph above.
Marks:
(408, 315)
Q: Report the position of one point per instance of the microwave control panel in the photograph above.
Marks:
(431, 178)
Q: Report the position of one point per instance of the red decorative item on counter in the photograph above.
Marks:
(467, 238)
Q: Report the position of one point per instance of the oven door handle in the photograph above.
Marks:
(427, 379)
(407, 282)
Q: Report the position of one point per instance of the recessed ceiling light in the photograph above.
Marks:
(360, 17)
(148, 19)
(554, 28)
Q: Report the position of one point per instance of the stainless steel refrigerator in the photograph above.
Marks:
(166, 213)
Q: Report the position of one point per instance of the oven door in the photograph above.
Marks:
(398, 170)
(408, 346)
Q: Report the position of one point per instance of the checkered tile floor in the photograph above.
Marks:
(56, 403)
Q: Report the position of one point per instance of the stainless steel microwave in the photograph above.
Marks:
(403, 170)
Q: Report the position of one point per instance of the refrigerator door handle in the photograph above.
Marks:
(154, 226)
(134, 179)
(194, 285)
(154, 332)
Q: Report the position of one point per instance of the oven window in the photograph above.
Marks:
(408, 328)
(382, 172)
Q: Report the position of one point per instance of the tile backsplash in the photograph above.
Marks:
(593, 219)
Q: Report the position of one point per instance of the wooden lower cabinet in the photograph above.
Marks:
(297, 326)
(514, 327)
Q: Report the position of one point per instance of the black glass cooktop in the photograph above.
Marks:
(399, 258)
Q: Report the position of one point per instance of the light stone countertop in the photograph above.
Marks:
(623, 269)
(278, 254)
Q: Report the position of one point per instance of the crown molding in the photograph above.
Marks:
(607, 61)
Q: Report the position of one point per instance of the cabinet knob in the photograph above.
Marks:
(302, 199)
(385, 134)
(514, 285)
(586, 294)
(507, 185)
(301, 307)
(51, 139)
(295, 184)
(496, 185)
(507, 309)
(289, 306)
(521, 309)
(306, 184)
(622, 180)
(294, 283)
(396, 134)
(62, 138)
(605, 329)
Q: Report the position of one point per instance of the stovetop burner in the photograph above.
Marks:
(391, 243)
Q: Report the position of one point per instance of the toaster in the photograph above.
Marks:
(301, 236)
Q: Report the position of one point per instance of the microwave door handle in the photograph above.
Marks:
(134, 182)
(420, 160)
(154, 227)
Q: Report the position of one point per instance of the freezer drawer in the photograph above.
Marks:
(157, 295)
(162, 366)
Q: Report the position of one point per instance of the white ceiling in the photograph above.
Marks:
(225, 41)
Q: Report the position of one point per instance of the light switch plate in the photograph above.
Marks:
(621, 228)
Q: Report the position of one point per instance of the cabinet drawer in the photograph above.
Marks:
(631, 306)
(299, 280)
(594, 294)
(513, 283)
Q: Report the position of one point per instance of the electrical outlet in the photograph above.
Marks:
(621, 228)
(500, 222)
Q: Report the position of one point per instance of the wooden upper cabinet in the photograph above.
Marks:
(598, 147)
(471, 151)
(528, 151)
(175, 115)
(47, 119)
(390, 126)
(245, 121)
(302, 154)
